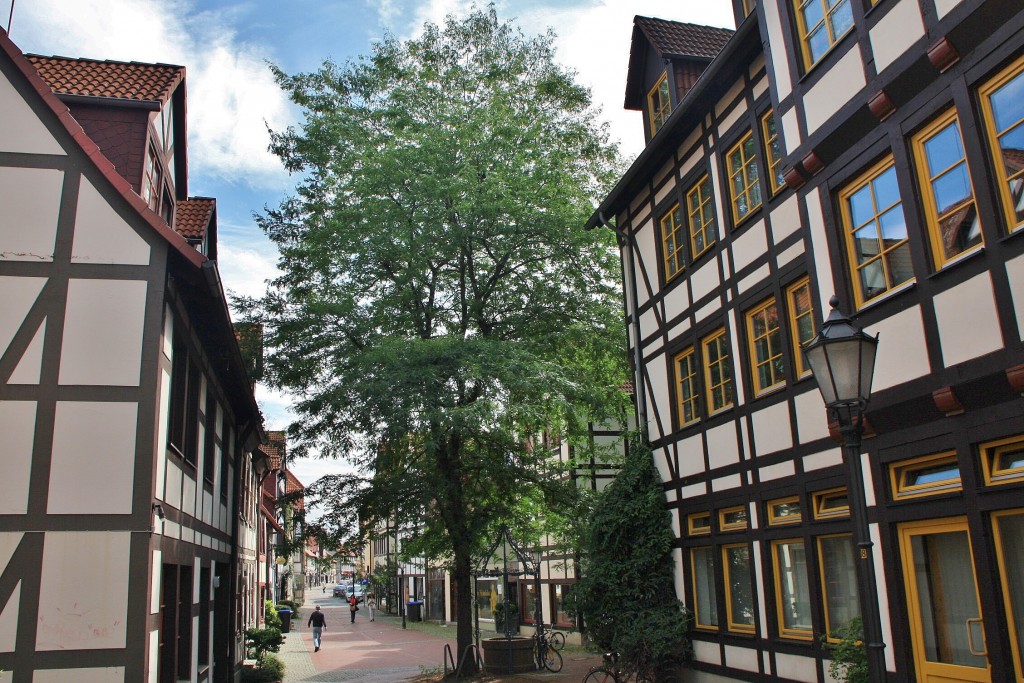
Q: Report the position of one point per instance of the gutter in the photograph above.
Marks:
(122, 102)
(639, 386)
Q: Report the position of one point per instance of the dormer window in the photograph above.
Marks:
(152, 182)
(659, 104)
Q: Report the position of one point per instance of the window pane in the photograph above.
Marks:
(1008, 103)
(704, 588)
(839, 581)
(1011, 555)
(841, 19)
(793, 586)
(944, 149)
(862, 207)
(952, 188)
(740, 587)
(886, 189)
(819, 43)
(813, 13)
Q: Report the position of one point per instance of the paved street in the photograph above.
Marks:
(382, 652)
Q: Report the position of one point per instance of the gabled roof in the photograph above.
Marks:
(192, 217)
(670, 40)
(679, 39)
(276, 448)
(120, 80)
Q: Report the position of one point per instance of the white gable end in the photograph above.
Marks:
(22, 130)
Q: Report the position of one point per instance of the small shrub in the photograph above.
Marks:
(270, 617)
(273, 666)
(849, 655)
(259, 642)
(292, 605)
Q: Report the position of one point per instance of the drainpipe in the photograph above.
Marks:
(639, 386)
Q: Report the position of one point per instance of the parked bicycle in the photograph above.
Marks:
(548, 655)
(611, 672)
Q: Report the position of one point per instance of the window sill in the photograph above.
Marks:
(888, 294)
(960, 258)
(765, 393)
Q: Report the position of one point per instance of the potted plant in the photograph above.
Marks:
(259, 644)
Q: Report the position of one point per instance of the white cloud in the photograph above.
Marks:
(245, 267)
(230, 89)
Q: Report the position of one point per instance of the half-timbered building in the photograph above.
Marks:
(871, 149)
(131, 432)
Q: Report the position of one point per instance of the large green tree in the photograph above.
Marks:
(439, 301)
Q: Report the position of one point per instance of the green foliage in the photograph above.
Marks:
(260, 642)
(626, 593)
(506, 623)
(849, 653)
(439, 302)
(270, 616)
(290, 604)
(269, 670)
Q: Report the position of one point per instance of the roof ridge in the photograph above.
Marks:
(684, 23)
(29, 55)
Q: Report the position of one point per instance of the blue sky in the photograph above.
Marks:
(226, 44)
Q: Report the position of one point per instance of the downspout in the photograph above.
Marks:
(639, 385)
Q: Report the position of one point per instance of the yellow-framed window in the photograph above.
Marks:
(1002, 462)
(687, 386)
(792, 589)
(1002, 106)
(705, 588)
(764, 336)
(946, 191)
(1008, 535)
(787, 510)
(744, 178)
(698, 523)
(659, 104)
(831, 503)
(772, 151)
(800, 310)
(733, 518)
(838, 572)
(739, 588)
(925, 476)
(717, 371)
(821, 23)
(701, 211)
(672, 242)
(876, 232)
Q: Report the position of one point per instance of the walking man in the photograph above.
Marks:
(318, 621)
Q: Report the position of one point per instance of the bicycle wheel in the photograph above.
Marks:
(600, 675)
(557, 640)
(552, 660)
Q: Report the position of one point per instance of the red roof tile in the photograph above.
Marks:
(276, 448)
(192, 217)
(95, 78)
(679, 39)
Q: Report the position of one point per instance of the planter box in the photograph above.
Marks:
(508, 655)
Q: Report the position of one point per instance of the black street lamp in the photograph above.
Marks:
(842, 359)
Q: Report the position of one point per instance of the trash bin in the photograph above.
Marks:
(414, 610)
(286, 619)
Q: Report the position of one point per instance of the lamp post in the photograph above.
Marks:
(842, 359)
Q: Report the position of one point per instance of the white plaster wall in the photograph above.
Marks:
(811, 420)
(761, 87)
(785, 219)
(155, 587)
(677, 302)
(18, 295)
(17, 424)
(690, 141)
(882, 595)
(30, 367)
(691, 456)
(154, 656)
(664, 470)
(30, 198)
(901, 349)
(755, 278)
(772, 432)
(705, 279)
(968, 320)
(726, 483)
(900, 28)
(647, 261)
(93, 458)
(791, 254)
(704, 651)
(790, 130)
(732, 117)
(173, 485)
(944, 7)
(649, 324)
(729, 97)
(667, 188)
(796, 668)
(83, 604)
(744, 658)
(817, 461)
(101, 235)
(691, 162)
(22, 130)
(723, 448)
(1015, 274)
(749, 246)
(780, 60)
(778, 471)
(694, 490)
(9, 621)
(103, 332)
(659, 396)
(837, 87)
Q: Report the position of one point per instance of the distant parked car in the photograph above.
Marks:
(341, 590)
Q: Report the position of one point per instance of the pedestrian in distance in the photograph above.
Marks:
(371, 605)
(353, 606)
(319, 622)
